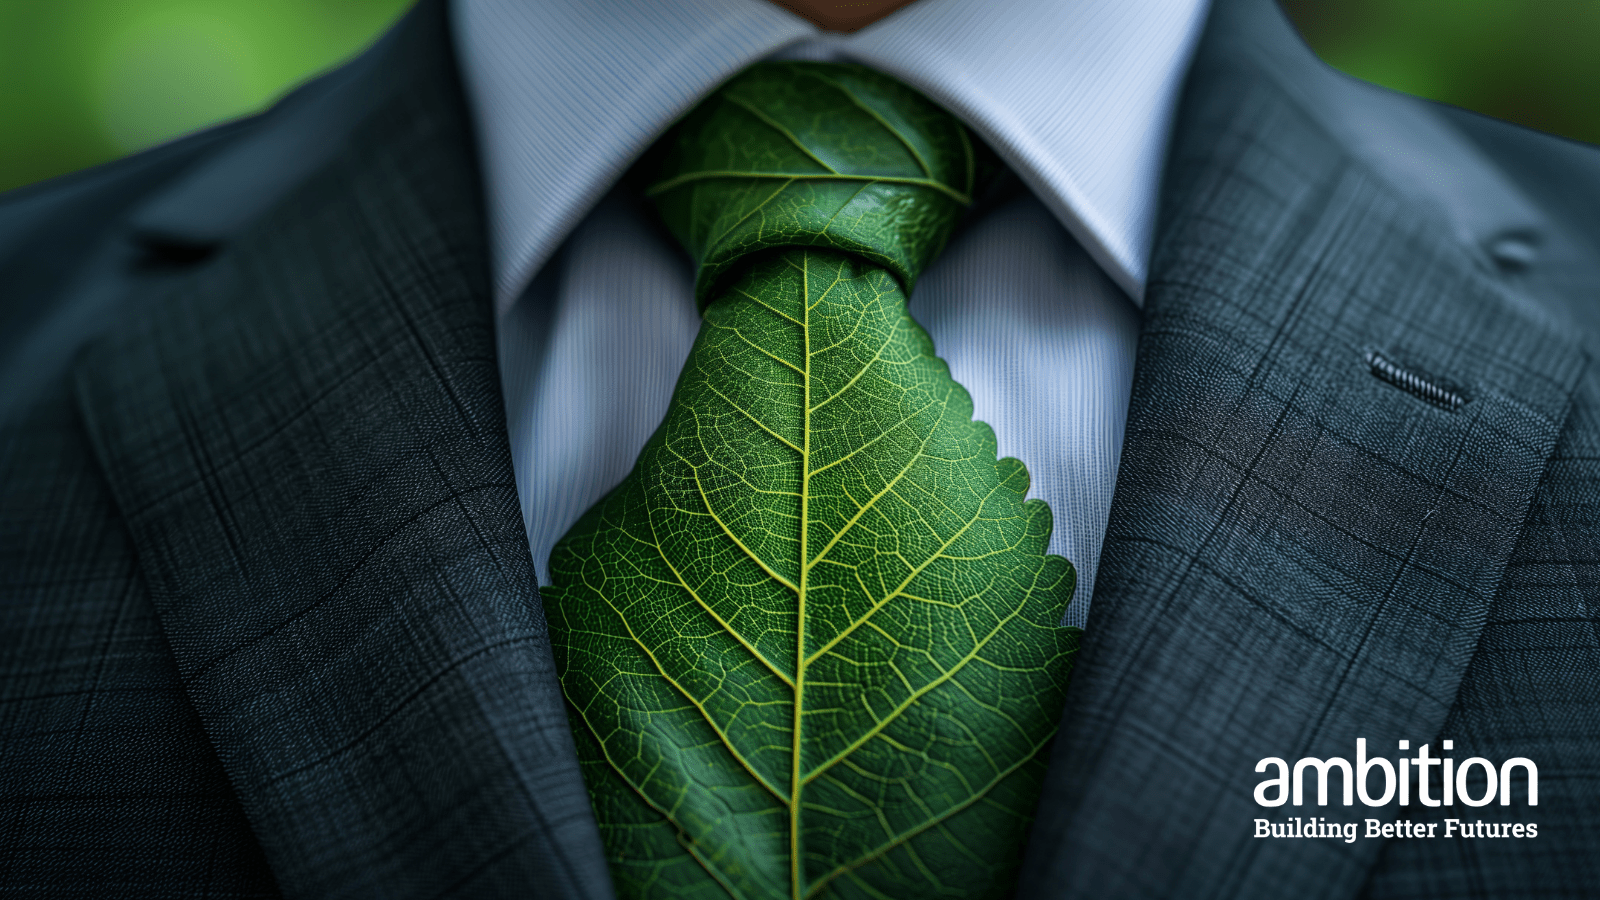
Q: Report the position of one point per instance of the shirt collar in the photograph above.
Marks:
(1076, 97)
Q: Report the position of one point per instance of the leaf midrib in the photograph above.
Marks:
(795, 784)
(799, 778)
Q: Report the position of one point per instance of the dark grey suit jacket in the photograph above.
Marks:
(268, 622)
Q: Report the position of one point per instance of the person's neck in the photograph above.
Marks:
(842, 15)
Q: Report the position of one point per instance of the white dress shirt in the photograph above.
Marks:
(1033, 304)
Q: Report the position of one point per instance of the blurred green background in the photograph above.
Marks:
(84, 81)
(1534, 62)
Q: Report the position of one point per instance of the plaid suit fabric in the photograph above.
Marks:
(332, 618)
(1531, 690)
(1532, 685)
(108, 786)
(1299, 553)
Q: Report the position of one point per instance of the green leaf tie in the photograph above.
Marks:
(810, 641)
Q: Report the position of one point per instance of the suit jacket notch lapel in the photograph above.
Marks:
(307, 440)
(1300, 554)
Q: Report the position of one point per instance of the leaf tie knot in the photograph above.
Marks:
(800, 154)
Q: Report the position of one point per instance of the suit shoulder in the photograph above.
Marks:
(1560, 174)
(54, 221)
(51, 235)
(146, 168)
(50, 231)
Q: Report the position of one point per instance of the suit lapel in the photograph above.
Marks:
(307, 441)
(1300, 553)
